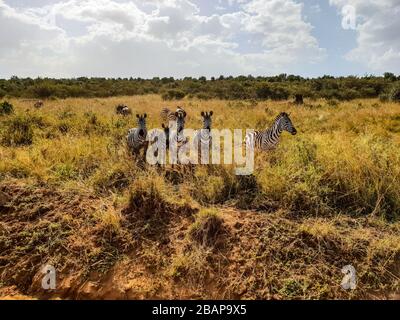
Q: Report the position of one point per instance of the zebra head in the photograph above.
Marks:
(142, 124)
(180, 120)
(284, 123)
(181, 110)
(207, 121)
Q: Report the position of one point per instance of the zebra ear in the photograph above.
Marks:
(145, 116)
(211, 113)
(177, 114)
(202, 113)
(137, 116)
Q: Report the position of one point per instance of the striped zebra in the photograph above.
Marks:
(38, 104)
(177, 132)
(269, 139)
(123, 110)
(167, 115)
(126, 112)
(202, 139)
(162, 144)
(137, 137)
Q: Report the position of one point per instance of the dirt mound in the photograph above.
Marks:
(102, 251)
(39, 226)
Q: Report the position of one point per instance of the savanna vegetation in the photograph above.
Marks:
(71, 195)
(279, 87)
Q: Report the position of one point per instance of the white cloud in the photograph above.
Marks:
(155, 38)
(378, 36)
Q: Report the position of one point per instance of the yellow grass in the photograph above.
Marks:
(336, 182)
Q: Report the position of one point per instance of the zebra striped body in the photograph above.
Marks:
(123, 110)
(137, 137)
(126, 111)
(202, 139)
(163, 144)
(38, 104)
(176, 132)
(170, 116)
(269, 139)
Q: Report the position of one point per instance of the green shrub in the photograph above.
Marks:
(394, 94)
(173, 95)
(43, 91)
(18, 132)
(273, 92)
(384, 97)
(6, 108)
(332, 103)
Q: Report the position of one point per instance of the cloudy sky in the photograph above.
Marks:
(147, 38)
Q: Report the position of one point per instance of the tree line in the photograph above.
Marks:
(279, 87)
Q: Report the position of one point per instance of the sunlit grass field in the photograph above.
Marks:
(335, 185)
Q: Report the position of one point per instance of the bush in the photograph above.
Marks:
(173, 95)
(151, 196)
(394, 94)
(384, 97)
(6, 108)
(207, 229)
(18, 132)
(44, 91)
(332, 103)
(273, 92)
(263, 92)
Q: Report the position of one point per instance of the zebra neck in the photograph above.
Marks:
(205, 132)
(273, 134)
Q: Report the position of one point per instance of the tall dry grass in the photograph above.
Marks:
(345, 158)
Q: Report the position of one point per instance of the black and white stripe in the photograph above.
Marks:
(269, 139)
(202, 139)
(123, 110)
(167, 115)
(177, 128)
(155, 137)
(136, 137)
(38, 104)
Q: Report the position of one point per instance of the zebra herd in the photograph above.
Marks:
(263, 140)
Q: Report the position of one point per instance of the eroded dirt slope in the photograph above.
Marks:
(157, 250)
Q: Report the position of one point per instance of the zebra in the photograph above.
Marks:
(161, 143)
(126, 111)
(168, 116)
(137, 137)
(166, 132)
(123, 110)
(269, 139)
(38, 104)
(176, 136)
(202, 139)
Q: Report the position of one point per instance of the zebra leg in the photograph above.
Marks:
(145, 148)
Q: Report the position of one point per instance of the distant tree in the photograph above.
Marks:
(173, 95)
(394, 94)
(389, 76)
